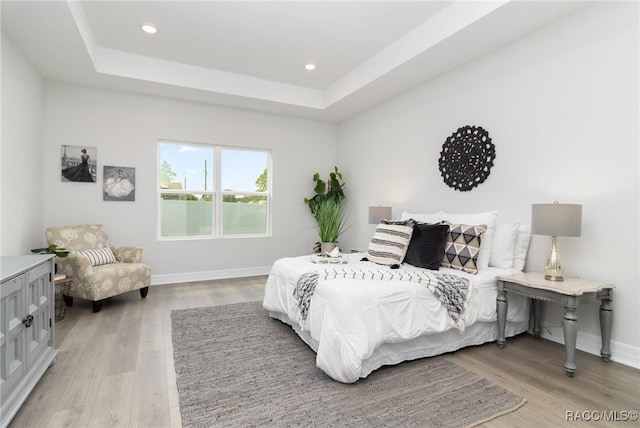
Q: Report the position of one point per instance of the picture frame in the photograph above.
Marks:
(78, 164)
(119, 183)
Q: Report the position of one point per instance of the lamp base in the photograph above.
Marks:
(553, 268)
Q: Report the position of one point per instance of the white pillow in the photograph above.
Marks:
(504, 241)
(488, 219)
(521, 247)
(426, 218)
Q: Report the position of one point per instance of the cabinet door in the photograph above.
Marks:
(38, 290)
(12, 350)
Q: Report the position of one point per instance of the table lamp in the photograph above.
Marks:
(555, 220)
(377, 214)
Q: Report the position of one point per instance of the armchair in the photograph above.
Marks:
(98, 270)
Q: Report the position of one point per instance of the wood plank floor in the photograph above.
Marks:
(115, 368)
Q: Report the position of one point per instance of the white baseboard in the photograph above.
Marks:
(590, 343)
(175, 278)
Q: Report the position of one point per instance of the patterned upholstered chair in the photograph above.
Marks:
(98, 271)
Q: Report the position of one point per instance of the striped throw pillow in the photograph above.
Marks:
(390, 242)
(99, 256)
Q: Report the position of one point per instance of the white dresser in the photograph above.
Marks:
(27, 346)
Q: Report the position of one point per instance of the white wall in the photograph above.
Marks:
(125, 128)
(21, 204)
(561, 106)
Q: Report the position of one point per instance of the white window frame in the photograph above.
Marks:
(217, 193)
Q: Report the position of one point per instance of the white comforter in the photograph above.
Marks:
(349, 319)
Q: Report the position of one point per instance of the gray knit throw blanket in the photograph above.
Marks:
(453, 291)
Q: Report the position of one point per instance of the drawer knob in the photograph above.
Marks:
(28, 321)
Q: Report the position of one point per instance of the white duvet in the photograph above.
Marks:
(349, 319)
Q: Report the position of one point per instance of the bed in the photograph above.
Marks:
(359, 322)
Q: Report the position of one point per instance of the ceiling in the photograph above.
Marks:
(252, 54)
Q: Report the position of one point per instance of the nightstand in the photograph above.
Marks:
(570, 293)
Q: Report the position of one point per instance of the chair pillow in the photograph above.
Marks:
(99, 256)
(463, 247)
(426, 248)
(390, 242)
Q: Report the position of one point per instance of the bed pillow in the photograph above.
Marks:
(390, 242)
(486, 218)
(425, 218)
(99, 256)
(463, 247)
(426, 248)
(504, 241)
(521, 247)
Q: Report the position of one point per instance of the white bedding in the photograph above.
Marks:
(356, 326)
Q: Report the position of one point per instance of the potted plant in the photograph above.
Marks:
(331, 223)
(52, 249)
(328, 210)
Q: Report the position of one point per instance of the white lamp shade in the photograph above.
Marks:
(556, 219)
(377, 214)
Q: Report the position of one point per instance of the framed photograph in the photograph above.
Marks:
(79, 164)
(119, 183)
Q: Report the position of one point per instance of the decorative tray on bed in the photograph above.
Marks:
(320, 259)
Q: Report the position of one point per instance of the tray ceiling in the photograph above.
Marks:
(252, 54)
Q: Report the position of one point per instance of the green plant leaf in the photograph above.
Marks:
(320, 187)
(52, 249)
(330, 217)
(332, 189)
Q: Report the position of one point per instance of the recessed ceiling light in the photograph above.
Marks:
(149, 28)
(309, 66)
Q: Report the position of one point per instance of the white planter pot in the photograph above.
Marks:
(327, 247)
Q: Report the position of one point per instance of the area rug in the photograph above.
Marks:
(236, 366)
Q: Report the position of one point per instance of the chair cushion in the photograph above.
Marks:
(110, 280)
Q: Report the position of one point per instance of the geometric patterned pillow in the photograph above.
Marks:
(99, 256)
(462, 247)
(390, 242)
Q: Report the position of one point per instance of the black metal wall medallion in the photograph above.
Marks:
(466, 158)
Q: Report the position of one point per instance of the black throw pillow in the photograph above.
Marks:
(427, 244)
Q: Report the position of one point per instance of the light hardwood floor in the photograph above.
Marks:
(115, 368)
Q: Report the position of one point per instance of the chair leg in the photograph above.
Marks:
(144, 291)
(68, 300)
(97, 305)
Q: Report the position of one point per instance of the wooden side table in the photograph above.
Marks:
(570, 293)
(62, 286)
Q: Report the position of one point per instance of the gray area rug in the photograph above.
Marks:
(236, 366)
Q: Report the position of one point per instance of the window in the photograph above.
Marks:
(213, 191)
